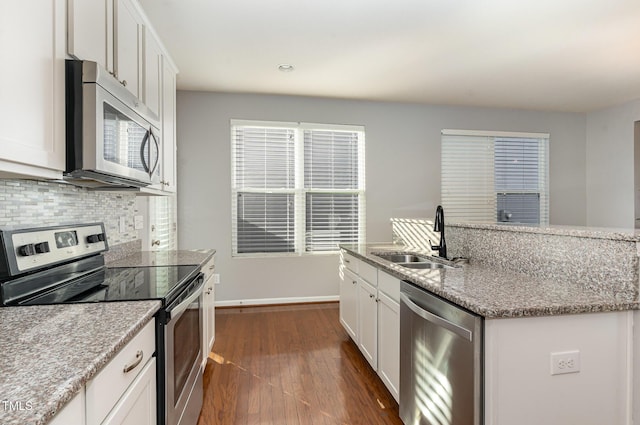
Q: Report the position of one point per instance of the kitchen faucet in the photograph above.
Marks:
(438, 226)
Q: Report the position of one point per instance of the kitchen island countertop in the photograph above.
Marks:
(50, 352)
(494, 293)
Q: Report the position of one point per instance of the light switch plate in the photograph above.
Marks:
(123, 224)
(138, 222)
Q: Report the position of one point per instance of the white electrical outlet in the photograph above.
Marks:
(565, 362)
(216, 278)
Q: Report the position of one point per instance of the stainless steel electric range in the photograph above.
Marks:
(65, 264)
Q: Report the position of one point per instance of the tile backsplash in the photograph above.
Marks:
(30, 203)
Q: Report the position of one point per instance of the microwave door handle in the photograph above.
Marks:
(145, 140)
(155, 140)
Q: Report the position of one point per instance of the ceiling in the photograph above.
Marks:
(560, 55)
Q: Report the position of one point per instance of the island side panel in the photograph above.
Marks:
(519, 387)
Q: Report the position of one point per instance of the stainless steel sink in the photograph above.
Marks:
(425, 265)
(402, 258)
(412, 261)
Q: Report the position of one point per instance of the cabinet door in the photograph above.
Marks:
(32, 126)
(349, 303)
(209, 320)
(127, 46)
(138, 404)
(152, 72)
(389, 343)
(368, 322)
(168, 126)
(90, 31)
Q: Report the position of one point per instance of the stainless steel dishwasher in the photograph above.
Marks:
(441, 358)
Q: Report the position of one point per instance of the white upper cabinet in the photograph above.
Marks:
(32, 132)
(90, 31)
(115, 34)
(168, 126)
(152, 72)
(127, 46)
(167, 93)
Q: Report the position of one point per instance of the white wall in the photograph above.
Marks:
(610, 166)
(402, 169)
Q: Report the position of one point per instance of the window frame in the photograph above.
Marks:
(299, 191)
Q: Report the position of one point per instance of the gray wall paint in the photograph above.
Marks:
(402, 169)
(610, 165)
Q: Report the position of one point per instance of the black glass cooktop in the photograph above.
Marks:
(119, 284)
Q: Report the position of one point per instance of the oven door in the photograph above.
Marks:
(183, 353)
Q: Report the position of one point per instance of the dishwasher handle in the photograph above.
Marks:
(437, 320)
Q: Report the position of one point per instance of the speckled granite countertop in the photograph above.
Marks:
(497, 293)
(164, 258)
(47, 353)
(632, 235)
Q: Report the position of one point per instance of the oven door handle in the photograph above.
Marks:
(173, 311)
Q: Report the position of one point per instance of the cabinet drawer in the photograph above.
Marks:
(349, 261)
(389, 285)
(138, 405)
(106, 388)
(208, 268)
(368, 273)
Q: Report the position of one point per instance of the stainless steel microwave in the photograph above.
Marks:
(112, 139)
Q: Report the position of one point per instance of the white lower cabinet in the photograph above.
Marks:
(124, 392)
(368, 322)
(349, 302)
(138, 404)
(371, 316)
(389, 342)
(209, 302)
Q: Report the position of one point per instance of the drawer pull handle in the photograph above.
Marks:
(347, 261)
(211, 267)
(139, 357)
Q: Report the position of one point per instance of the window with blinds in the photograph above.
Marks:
(163, 218)
(495, 176)
(296, 187)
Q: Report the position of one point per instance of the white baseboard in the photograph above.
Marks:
(270, 301)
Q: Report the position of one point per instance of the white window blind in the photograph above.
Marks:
(163, 216)
(498, 176)
(296, 187)
(332, 183)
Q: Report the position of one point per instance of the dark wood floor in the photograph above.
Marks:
(290, 365)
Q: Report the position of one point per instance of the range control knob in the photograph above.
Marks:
(27, 250)
(98, 237)
(42, 247)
